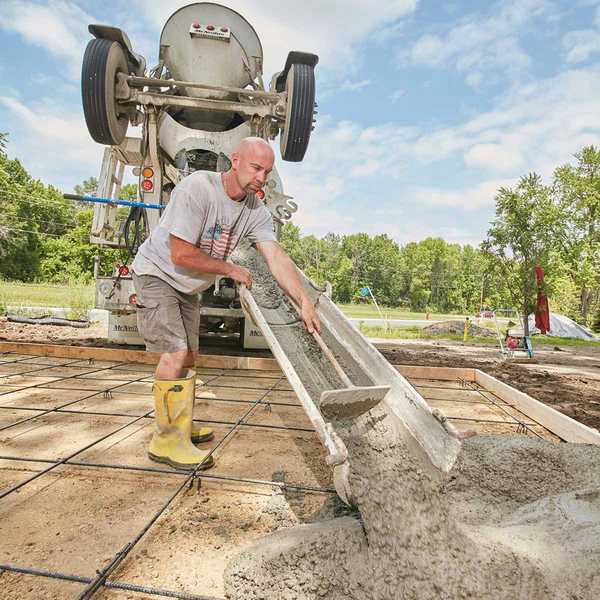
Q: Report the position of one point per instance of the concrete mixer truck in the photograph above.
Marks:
(203, 96)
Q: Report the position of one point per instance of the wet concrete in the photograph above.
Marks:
(313, 367)
(516, 517)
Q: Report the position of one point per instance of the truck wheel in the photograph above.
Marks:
(300, 86)
(102, 61)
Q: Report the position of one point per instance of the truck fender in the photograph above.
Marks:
(137, 61)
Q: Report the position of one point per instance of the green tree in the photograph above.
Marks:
(129, 191)
(30, 213)
(87, 186)
(526, 231)
(71, 256)
(579, 190)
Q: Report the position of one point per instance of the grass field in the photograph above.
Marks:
(368, 311)
(80, 298)
(76, 297)
(43, 294)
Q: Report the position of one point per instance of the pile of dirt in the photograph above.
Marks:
(458, 328)
(95, 335)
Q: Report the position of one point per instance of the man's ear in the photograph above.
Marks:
(235, 160)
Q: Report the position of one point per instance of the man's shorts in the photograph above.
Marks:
(167, 319)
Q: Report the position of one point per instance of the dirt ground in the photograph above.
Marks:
(73, 520)
(192, 542)
(567, 378)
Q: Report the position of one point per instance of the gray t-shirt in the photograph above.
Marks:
(201, 213)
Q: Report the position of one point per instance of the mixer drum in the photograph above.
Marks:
(211, 44)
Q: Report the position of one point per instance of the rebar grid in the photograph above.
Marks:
(283, 485)
(101, 580)
(146, 416)
(98, 583)
(522, 426)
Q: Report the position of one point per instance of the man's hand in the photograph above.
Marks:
(241, 275)
(309, 316)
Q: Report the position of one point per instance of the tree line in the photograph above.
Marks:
(555, 225)
(43, 236)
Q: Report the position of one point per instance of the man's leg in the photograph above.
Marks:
(190, 359)
(161, 323)
(172, 365)
(190, 312)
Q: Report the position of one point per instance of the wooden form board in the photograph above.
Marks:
(566, 428)
(446, 373)
(136, 356)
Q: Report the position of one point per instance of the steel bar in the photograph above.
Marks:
(144, 395)
(239, 373)
(51, 410)
(208, 383)
(522, 424)
(117, 585)
(156, 99)
(111, 201)
(115, 414)
(41, 368)
(18, 360)
(156, 470)
(136, 81)
(94, 586)
(19, 485)
(475, 420)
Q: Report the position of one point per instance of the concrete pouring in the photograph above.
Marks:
(514, 516)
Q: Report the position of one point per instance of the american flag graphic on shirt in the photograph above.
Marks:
(218, 241)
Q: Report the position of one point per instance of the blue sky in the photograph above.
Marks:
(426, 108)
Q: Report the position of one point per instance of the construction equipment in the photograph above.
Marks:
(513, 342)
(319, 368)
(202, 98)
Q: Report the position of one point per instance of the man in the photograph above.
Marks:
(206, 218)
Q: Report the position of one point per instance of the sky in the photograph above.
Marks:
(426, 108)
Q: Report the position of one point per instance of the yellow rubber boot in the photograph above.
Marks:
(171, 442)
(200, 434)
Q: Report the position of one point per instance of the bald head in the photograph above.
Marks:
(251, 162)
(255, 145)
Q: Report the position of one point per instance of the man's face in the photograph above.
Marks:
(252, 167)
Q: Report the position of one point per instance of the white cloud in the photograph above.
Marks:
(397, 94)
(482, 47)
(53, 144)
(534, 128)
(494, 157)
(581, 44)
(353, 86)
(468, 198)
(58, 27)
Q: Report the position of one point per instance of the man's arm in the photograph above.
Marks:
(189, 256)
(285, 273)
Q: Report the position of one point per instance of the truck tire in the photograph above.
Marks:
(300, 86)
(102, 61)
